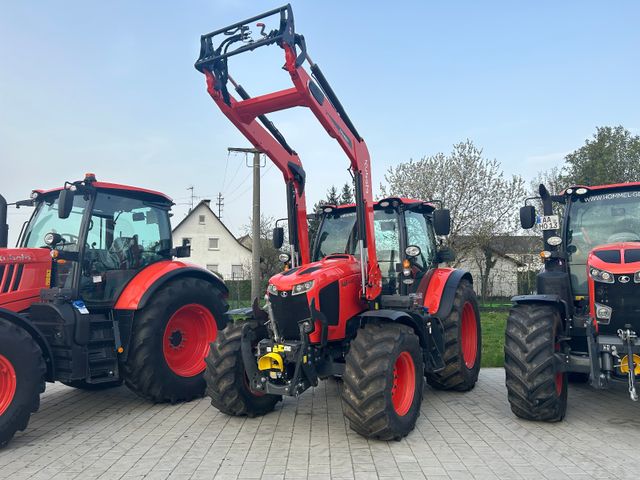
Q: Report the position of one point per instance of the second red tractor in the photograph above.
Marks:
(368, 301)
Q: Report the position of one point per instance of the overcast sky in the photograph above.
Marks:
(109, 87)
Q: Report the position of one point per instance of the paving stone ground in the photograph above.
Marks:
(114, 434)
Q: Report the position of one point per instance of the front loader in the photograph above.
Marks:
(93, 297)
(369, 301)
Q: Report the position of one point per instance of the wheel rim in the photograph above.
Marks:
(186, 339)
(404, 383)
(469, 334)
(7, 383)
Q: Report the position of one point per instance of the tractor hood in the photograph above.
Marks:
(332, 286)
(23, 273)
(613, 273)
(321, 273)
(623, 257)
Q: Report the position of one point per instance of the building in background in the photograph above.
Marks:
(213, 246)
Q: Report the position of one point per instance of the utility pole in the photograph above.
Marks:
(255, 221)
(220, 204)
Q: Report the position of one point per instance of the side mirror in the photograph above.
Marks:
(182, 251)
(278, 237)
(442, 221)
(65, 203)
(527, 216)
(445, 255)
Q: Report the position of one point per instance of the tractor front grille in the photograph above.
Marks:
(287, 312)
(624, 299)
(10, 276)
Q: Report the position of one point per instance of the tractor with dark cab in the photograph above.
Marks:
(583, 322)
(93, 297)
(368, 301)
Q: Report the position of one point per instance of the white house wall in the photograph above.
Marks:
(229, 253)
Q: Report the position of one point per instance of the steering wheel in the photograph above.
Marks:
(623, 237)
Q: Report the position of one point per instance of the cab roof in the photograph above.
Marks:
(612, 186)
(159, 196)
(402, 200)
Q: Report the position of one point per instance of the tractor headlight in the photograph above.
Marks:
(412, 251)
(284, 257)
(603, 312)
(302, 288)
(601, 275)
(636, 277)
(581, 191)
(554, 241)
(272, 289)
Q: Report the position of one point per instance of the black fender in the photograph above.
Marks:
(428, 329)
(554, 300)
(193, 272)
(449, 292)
(22, 321)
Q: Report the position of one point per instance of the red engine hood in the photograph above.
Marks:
(23, 272)
(323, 272)
(616, 258)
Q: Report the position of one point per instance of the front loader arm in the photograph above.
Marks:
(313, 92)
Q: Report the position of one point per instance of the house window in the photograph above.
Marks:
(237, 272)
(201, 219)
(212, 267)
(186, 241)
(214, 244)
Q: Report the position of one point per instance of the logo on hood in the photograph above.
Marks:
(624, 279)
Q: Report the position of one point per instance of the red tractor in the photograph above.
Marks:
(368, 302)
(92, 298)
(583, 322)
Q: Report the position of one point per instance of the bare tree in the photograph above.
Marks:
(483, 202)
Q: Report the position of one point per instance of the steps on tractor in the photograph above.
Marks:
(83, 345)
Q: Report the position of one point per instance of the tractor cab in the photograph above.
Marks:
(405, 238)
(99, 236)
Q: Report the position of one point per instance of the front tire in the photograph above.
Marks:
(171, 338)
(22, 377)
(462, 343)
(536, 389)
(383, 381)
(227, 383)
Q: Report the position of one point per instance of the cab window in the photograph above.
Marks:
(420, 233)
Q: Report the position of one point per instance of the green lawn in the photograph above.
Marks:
(493, 327)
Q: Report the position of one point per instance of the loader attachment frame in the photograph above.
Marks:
(313, 91)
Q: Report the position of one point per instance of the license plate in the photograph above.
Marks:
(550, 222)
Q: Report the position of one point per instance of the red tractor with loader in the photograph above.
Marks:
(583, 322)
(93, 297)
(368, 302)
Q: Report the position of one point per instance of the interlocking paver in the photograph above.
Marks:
(116, 435)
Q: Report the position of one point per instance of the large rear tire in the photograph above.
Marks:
(383, 381)
(22, 379)
(227, 383)
(171, 338)
(536, 389)
(462, 343)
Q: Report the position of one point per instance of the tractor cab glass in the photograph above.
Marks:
(45, 221)
(124, 235)
(337, 234)
(599, 219)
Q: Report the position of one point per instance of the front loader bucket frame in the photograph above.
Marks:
(312, 91)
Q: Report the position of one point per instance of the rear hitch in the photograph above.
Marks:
(627, 335)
